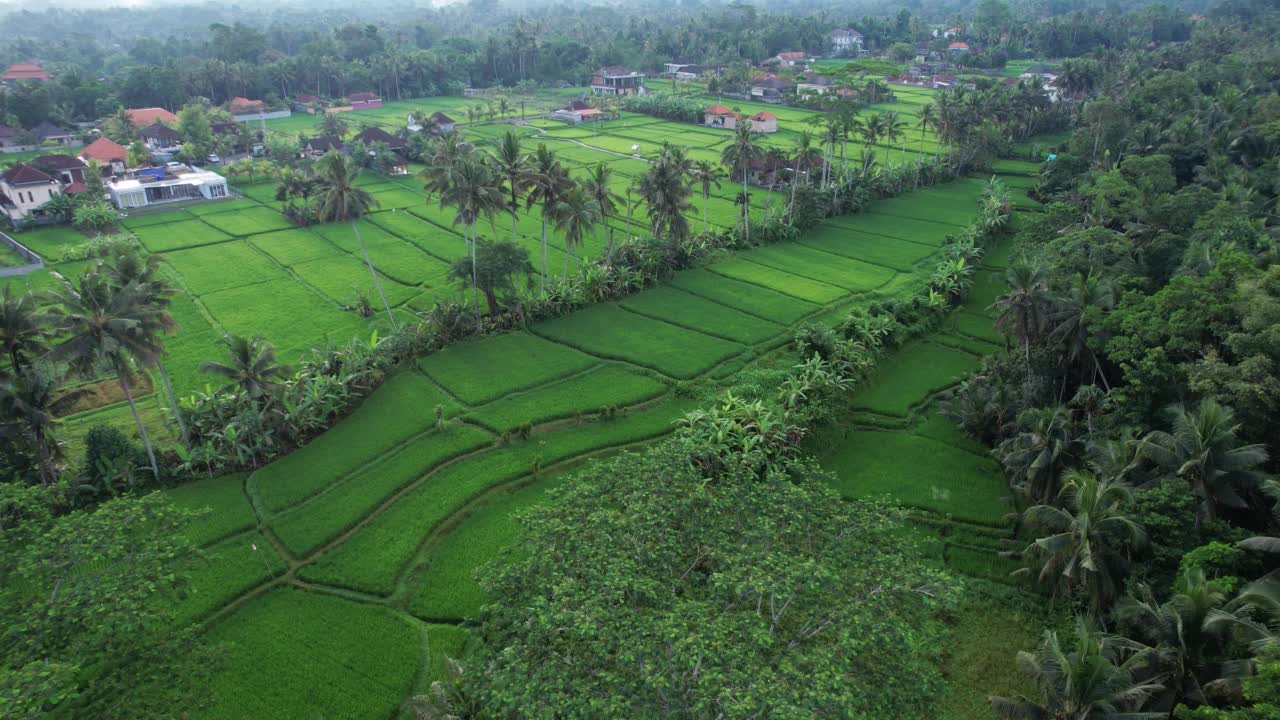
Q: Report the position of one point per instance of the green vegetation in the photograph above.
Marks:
(688, 310)
(482, 370)
(606, 389)
(911, 375)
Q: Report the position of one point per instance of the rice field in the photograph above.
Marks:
(345, 546)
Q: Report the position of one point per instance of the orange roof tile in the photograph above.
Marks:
(718, 109)
(142, 117)
(104, 150)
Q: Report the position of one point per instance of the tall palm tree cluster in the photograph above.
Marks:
(109, 321)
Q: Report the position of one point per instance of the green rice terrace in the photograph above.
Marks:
(359, 550)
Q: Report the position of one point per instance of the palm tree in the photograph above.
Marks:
(252, 369)
(341, 200)
(1205, 450)
(514, 168)
(24, 329)
(1089, 682)
(871, 130)
(665, 190)
(130, 267)
(1045, 444)
(332, 123)
(473, 191)
(27, 403)
(1071, 319)
(1176, 631)
(575, 216)
(499, 264)
(597, 188)
(895, 129)
(1089, 537)
(104, 324)
(739, 155)
(549, 181)
(925, 119)
(1024, 306)
(805, 156)
(705, 174)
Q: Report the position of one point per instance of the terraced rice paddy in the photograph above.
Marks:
(346, 546)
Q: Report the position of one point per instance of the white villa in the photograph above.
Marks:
(175, 181)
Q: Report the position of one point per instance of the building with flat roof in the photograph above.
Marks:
(171, 183)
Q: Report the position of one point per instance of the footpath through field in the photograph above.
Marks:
(342, 572)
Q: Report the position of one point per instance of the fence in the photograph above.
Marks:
(253, 117)
(35, 262)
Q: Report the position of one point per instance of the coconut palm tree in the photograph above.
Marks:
(1071, 319)
(474, 191)
(1176, 631)
(24, 329)
(597, 188)
(1045, 443)
(925, 119)
(332, 123)
(665, 190)
(341, 200)
(739, 155)
(832, 133)
(575, 216)
(1204, 448)
(895, 129)
(1094, 680)
(705, 174)
(26, 409)
(1024, 307)
(102, 324)
(514, 169)
(252, 369)
(1089, 537)
(804, 158)
(549, 180)
(130, 267)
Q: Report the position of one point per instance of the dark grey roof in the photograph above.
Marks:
(372, 135)
(53, 163)
(47, 129)
(24, 174)
(159, 131)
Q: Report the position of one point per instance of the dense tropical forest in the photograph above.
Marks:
(954, 400)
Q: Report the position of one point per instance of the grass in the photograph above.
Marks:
(314, 523)
(696, 313)
(919, 472)
(337, 659)
(610, 332)
(294, 247)
(244, 221)
(208, 269)
(911, 375)
(178, 235)
(896, 227)
(746, 297)
(48, 242)
(605, 388)
(889, 252)
(228, 511)
(372, 559)
(228, 570)
(288, 314)
(401, 408)
(444, 641)
(837, 270)
(985, 638)
(804, 288)
(482, 370)
(448, 589)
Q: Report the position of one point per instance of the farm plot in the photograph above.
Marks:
(955, 203)
(373, 558)
(696, 313)
(403, 407)
(338, 659)
(323, 518)
(227, 570)
(921, 473)
(49, 242)
(608, 331)
(294, 247)
(251, 220)
(898, 254)
(290, 315)
(225, 266)
(745, 297)
(133, 222)
(177, 235)
(343, 278)
(837, 270)
(227, 510)
(222, 207)
(483, 370)
(448, 588)
(923, 232)
(200, 342)
(911, 375)
(814, 291)
(608, 387)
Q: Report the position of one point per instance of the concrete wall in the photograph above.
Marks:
(34, 262)
(251, 117)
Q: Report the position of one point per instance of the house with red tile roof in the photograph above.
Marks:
(719, 116)
(244, 106)
(791, 59)
(764, 122)
(364, 101)
(24, 71)
(142, 117)
(958, 47)
(106, 151)
(24, 189)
